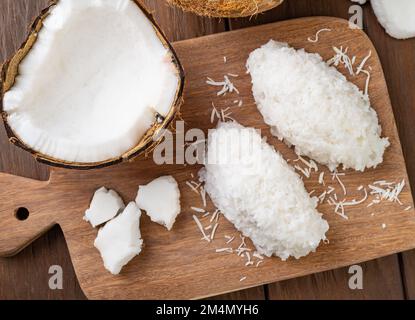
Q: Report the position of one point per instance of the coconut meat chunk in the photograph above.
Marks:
(161, 200)
(93, 82)
(105, 205)
(119, 240)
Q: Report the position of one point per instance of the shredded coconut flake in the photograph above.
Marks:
(258, 255)
(226, 84)
(321, 179)
(200, 226)
(362, 64)
(214, 216)
(390, 192)
(367, 73)
(342, 57)
(212, 235)
(230, 240)
(203, 196)
(316, 37)
(199, 210)
(341, 183)
(192, 187)
(304, 171)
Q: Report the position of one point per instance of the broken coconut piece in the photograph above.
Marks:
(161, 200)
(104, 206)
(120, 239)
(89, 83)
(256, 190)
(313, 107)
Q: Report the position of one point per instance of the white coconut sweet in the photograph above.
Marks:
(119, 240)
(312, 106)
(161, 200)
(397, 17)
(93, 83)
(105, 205)
(256, 190)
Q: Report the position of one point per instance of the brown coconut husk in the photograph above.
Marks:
(226, 8)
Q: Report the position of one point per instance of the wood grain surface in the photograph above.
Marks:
(25, 276)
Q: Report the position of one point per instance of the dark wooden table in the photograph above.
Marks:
(25, 276)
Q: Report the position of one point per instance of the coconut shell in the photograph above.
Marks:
(226, 8)
(10, 70)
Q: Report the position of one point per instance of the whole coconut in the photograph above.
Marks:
(226, 8)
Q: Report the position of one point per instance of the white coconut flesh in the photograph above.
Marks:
(119, 240)
(93, 83)
(315, 108)
(162, 210)
(105, 205)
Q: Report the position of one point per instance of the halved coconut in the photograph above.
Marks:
(92, 84)
(226, 8)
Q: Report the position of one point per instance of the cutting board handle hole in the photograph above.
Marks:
(21, 214)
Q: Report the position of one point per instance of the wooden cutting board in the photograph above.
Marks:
(178, 264)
